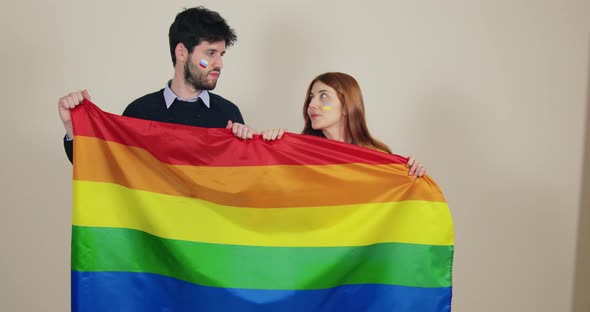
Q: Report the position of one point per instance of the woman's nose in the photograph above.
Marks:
(313, 104)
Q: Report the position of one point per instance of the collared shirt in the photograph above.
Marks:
(169, 96)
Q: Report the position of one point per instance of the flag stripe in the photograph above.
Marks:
(254, 267)
(110, 205)
(287, 186)
(122, 291)
(198, 145)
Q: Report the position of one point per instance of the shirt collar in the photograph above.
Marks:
(169, 96)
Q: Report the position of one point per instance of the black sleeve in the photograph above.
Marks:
(129, 111)
(69, 147)
(238, 116)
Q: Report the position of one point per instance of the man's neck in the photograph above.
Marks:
(182, 89)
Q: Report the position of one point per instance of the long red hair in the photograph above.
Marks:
(351, 98)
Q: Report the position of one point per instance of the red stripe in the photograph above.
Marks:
(186, 145)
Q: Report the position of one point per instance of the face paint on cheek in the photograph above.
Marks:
(203, 64)
(327, 106)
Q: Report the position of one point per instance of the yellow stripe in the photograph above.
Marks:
(99, 204)
(251, 186)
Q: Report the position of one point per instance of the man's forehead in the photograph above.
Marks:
(217, 45)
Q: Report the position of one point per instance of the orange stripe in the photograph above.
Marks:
(252, 186)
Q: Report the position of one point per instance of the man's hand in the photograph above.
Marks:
(241, 131)
(65, 104)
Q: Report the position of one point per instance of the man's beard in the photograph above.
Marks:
(196, 78)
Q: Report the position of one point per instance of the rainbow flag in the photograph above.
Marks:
(176, 218)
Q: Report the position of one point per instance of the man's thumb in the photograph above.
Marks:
(86, 95)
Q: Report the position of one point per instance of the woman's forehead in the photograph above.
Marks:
(319, 86)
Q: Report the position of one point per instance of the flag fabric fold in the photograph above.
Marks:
(177, 218)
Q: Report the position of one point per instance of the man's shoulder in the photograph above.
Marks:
(147, 102)
(220, 100)
(155, 97)
(220, 103)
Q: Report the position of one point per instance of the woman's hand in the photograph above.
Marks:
(416, 168)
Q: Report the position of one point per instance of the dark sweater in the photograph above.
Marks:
(153, 107)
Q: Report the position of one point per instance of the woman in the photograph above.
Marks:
(334, 109)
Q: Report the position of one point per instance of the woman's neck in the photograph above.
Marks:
(336, 134)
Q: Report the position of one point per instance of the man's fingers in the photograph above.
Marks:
(86, 95)
(78, 97)
(243, 132)
(71, 102)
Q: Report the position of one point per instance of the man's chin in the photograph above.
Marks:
(211, 85)
(208, 87)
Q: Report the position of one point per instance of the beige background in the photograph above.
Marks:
(492, 96)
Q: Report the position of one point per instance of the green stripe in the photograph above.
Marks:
(255, 267)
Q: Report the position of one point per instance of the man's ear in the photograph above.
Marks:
(181, 52)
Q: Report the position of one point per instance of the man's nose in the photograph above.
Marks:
(218, 62)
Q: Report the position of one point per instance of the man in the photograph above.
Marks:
(198, 41)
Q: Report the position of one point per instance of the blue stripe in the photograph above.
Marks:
(145, 292)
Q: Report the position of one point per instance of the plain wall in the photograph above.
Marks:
(582, 278)
(490, 95)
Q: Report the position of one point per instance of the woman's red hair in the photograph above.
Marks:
(353, 107)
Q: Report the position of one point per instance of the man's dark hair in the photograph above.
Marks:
(195, 25)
